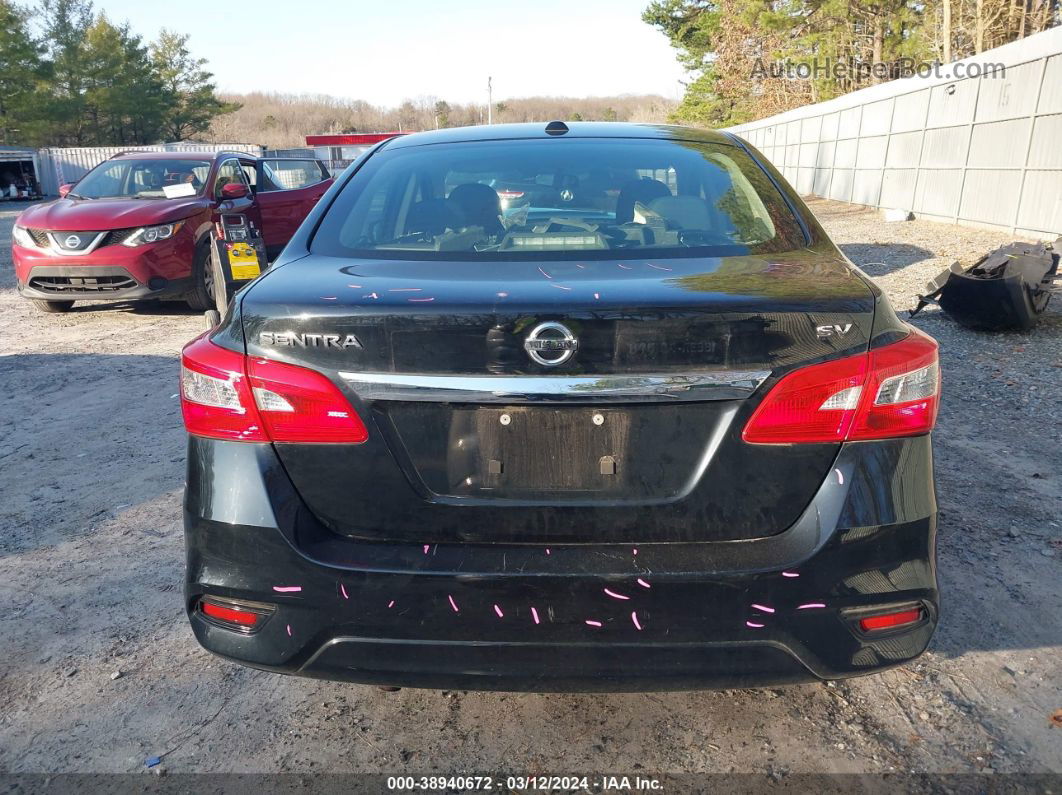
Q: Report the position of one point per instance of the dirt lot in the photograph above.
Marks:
(101, 671)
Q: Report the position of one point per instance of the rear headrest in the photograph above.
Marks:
(478, 202)
(642, 190)
(432, 216)
(683, 212)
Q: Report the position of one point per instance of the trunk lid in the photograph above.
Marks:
(635, 436)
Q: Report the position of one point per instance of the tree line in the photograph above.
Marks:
(844, 45)
(69, 76)
(283, 120)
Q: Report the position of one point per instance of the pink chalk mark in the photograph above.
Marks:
(625, 267)
(328, 298)
(658, 267)
(547, 551)
(343, 590)
(580, 267)
(426, 548)
(391, 604)
(561, 287)
(534, 615)
(357, 286)
(643, 583)
(404, 289)
(840, 477)
(634, 618)
(753, 625)
(811, 606)
(453, 604)
(590, 622)
(597, 296)
(371, 295)
(503, 295)
(790, 574)
(764, 608)
(615, 595)
(419, 300)
(289, 630)
(634, 551)
(498, 610)
(544, 273)
(287, 588)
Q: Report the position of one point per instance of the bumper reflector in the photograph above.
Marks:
(234, 615)
(891, 620)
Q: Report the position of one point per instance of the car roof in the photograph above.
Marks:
(179, 155)
(576, 129)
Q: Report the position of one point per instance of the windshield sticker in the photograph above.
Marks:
(179, 190)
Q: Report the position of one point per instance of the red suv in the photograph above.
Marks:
(139, 225)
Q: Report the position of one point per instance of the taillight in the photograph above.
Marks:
(225, 395)
(890, 391)
(215, 397)
(301, 405)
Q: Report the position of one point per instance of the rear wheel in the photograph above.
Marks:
(52, 307)
(201, 297)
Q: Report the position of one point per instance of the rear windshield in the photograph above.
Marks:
(558, 199)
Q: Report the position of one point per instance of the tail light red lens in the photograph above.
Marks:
(225, 395)
(215, 397)
(301, 405)
(888, 392)
(891, 620)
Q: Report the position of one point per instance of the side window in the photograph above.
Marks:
(229, 171)
(375, 218)
(292, 174)
(250, 174)
(740, 201)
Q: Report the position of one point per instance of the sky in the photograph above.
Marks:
(386, 51)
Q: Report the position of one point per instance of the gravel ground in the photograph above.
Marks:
(101, 670)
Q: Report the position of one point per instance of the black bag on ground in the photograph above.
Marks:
(1006, 289)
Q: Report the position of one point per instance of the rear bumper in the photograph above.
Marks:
(516, 617)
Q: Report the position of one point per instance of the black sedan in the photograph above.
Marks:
(648, 429)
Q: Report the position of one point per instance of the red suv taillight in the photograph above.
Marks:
(225, 395)
(890, 391)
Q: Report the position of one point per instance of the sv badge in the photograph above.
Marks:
(833, 329)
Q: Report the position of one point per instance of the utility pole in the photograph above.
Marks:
(490, 117)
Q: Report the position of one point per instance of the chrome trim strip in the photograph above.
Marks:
(662, 388)
(57, 249)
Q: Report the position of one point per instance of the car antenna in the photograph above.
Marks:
(556, 128)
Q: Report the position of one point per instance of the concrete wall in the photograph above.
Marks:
(984, 151)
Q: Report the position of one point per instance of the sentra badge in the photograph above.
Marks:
(291, 339)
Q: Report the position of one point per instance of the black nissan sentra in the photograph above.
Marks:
(562, 407)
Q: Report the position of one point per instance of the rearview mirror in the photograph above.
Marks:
(64, 189)
(234, 190)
